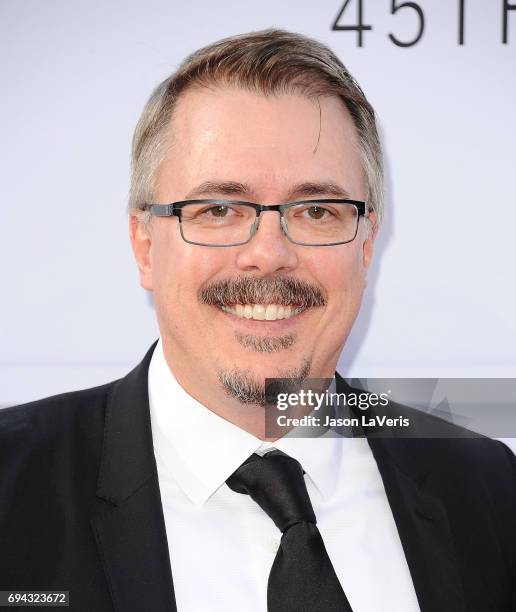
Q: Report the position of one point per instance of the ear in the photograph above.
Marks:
(141, 241)
(369, 242)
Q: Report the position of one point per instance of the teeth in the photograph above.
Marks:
(262, 312)
(271, 312)
(258, 312)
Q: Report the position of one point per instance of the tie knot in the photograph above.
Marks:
(276, 483)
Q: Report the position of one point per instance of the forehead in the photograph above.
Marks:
(268, 142)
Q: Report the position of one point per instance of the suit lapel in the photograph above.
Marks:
(421, 519)
(424, 531)
(129, 526)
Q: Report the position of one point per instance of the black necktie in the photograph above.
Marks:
(302, 577)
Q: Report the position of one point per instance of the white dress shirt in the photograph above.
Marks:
(222, 544)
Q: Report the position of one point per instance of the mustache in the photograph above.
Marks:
(283, 290)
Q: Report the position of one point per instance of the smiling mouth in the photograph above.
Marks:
(262, 312)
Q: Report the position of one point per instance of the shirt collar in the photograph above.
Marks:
(200, 449)
(319, 457)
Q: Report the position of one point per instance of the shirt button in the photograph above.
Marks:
(273, 545)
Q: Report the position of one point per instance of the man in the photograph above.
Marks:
(255, 200)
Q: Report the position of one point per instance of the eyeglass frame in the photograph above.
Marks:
(174, 210)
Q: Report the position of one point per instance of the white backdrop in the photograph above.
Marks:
(75, 76)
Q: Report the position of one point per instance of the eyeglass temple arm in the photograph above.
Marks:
(162, 210)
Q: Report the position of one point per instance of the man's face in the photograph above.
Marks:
(228, 143)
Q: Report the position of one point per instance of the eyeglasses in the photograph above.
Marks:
(223, 223)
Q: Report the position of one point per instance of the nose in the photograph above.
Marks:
(269, 250)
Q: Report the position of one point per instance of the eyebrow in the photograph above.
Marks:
(301, 190)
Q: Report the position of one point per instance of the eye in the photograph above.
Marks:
(217, 211)
(317, 213)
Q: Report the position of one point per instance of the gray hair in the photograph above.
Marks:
(268, 62)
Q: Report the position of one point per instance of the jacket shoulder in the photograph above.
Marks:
(452, 449)
(49, 414)
(39, 439)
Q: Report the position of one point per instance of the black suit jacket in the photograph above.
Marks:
(80, 507)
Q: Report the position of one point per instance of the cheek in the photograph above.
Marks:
(345, 283)
(179, 270)
(343, 276)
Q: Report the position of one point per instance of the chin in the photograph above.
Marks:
(271, 365)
